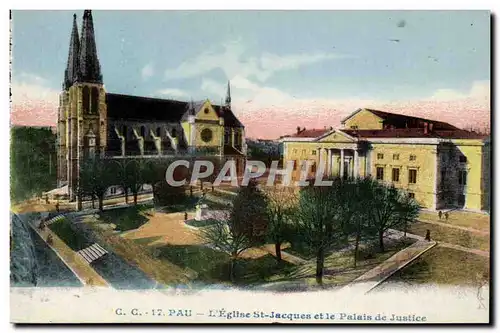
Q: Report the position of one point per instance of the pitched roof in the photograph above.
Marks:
(414, 133)
(403, 121)
(311, 133)
(127, 107)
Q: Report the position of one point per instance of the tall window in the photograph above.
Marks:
(143, 131)
(380, 173)
(124, 131)
(412, 176)
(94, 100)
(395, 174)
(462, 177)
(174, 132)
(158, 131)
(313, 152)
(411, 195)
(395, 156)
(380, 156)
(86, 99)
(413, 157)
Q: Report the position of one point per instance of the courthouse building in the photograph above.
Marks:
(438, 164)
(92, 121)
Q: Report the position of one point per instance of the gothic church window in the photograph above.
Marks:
(86, 99)
(206, 135)
(94, 100)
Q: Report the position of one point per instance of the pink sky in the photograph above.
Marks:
(36, 106)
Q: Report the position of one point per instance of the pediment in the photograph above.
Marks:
(336, 136)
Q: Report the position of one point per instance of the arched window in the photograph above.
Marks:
(86, 99)
(95, 100)
(124, 131)
(143, 131)
(158, 131)
(174, 132)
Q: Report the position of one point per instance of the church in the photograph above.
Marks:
(92, 121)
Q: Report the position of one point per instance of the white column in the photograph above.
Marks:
(320, 161)
(341, 163)
(329, 163)
(356, 163)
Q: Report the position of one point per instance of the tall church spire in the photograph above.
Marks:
(72, 68)
(228, 95)
(90, 68)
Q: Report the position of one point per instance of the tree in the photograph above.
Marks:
(120, 169)
(320, 220)
(33, 162)
(226, 235)
(139, 172)
(388, 208)
(355, 211)
(249, 211)
(96, 175)
(281, 205)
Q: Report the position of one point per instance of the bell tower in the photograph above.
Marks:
(83, 111)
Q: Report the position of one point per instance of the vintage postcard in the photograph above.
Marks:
(250, 167)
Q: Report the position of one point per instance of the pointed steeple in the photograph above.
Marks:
(72, 68)
(228, 95)
(90, 68)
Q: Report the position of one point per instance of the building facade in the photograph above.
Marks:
(441, 166)
(92, 121)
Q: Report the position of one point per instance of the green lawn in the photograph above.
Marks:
(452, 236)
(74, 240)
(146, 240)
(127, 218)
(339, 266)
(201, 224)
(445, 266)
(213, 266)
(460, 218)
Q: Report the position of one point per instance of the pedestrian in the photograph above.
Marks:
(50, 240)
(446, 215)
(428, 235)
(191, 191)
(57, 206)
(440, 214)
(185, 216)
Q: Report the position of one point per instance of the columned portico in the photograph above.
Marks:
(340, 161)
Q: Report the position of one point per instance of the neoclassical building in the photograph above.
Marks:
(440, 165)
(92, 121)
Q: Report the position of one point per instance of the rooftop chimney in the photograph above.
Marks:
(298, 129)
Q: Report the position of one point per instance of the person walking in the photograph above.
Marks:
(440, 214)
(428, 235)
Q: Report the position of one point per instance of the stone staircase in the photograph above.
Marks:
(92, 253)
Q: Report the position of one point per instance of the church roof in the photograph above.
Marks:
(128, 107)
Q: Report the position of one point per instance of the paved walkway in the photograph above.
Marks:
(82, 269)
(270, 248)
(482, 253)
(379, 274)
(448, 225)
